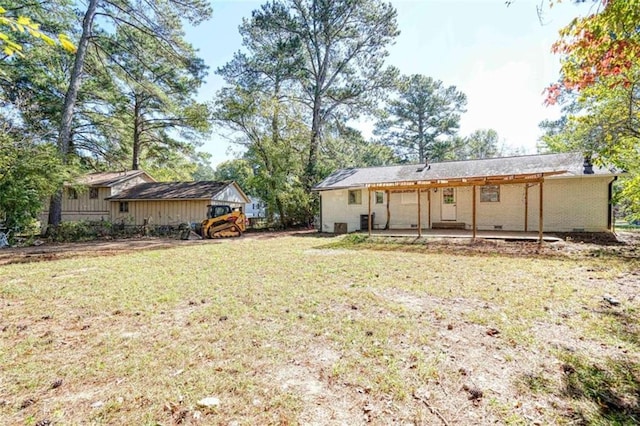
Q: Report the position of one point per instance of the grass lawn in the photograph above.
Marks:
(311, 330)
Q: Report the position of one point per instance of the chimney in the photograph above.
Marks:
(424, 167)
(588, 166)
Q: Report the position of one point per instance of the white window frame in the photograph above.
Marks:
(381, 200)
(357, 197)
(486, 197)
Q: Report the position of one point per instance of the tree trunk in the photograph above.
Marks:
(137, 131)
(310, 171)
(64, 138)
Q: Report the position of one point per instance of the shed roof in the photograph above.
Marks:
(564, 164)
(198, 190)
(108, 179)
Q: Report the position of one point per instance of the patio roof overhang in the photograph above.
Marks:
(463, 181)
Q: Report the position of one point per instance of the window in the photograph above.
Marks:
(379, 197)
(72, 193)
(355, 196)
(124, 206)
(93, 193)
(490, 194)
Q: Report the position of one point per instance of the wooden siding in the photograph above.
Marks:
(160, 212)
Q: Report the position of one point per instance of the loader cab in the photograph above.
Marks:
(217, 211)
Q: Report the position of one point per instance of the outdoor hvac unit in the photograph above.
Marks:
(339, 228)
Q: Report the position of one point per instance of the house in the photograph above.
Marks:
(135, 198)
(256, 208)
(87, 198)
(544, 193)
(172, 203)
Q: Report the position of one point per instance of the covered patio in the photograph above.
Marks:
(526, 180)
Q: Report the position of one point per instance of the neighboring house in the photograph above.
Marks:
(87, 199)
(561, 192)
(256, 208)
(172, 203)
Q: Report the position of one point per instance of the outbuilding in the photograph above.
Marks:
(172, 203)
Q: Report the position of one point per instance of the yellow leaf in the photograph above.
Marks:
(47, 39)
(66, 43)
(2, 10)
(23, 20)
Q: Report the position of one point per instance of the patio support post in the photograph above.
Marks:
(429, 208)
(369, 217)
(474, 211)
(526, 207)
(388, 194)
(419, 215)
(541, 223)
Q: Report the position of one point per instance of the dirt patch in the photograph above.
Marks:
(56, 251)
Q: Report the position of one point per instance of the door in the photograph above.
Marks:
(448, 204)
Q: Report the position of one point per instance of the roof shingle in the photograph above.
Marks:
(199, 190)
(108, 179)
(569, 164)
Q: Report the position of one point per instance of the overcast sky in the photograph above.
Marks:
(498, 56)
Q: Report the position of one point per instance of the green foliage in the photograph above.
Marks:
(421, 114)
(480, 144)
(29, 172)
(307, 66)
(238, 170)
(25, 25)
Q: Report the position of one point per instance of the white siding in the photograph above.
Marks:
(335, 209)
(570, 204)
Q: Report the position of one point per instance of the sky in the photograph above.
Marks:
(499, 56)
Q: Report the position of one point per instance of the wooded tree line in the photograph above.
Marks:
(126, 99)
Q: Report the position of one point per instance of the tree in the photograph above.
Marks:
(275, 138)
(29, 172)
(346, 147)
(24, 24)
(600, 91)
(156, 95)
(161, 21)
(483, 143)
(420, 114)
(343, 47)
(238, 170)
(600, 48)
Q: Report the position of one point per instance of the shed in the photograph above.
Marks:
(172, 203)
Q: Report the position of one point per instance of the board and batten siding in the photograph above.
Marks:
(160, 212)
(84, 207)
(570, 204)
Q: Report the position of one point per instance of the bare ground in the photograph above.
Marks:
(482, 368)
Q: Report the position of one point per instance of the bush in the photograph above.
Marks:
(73, 231)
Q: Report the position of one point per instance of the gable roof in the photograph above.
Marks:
(108, 179)
(198, 190)
(564, 164)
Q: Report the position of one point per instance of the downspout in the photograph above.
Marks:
(320, 220)
(611, 223)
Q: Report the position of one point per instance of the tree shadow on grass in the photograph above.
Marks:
(611, 386)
